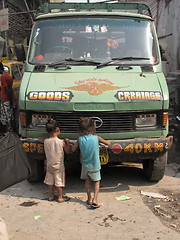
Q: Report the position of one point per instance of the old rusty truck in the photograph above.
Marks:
(100, 60)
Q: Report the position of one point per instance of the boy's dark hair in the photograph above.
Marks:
(1, 67)
(86, 126)
(51, 126)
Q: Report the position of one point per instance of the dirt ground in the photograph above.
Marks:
(168, 209)
(138, 218)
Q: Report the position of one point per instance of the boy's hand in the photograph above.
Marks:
(67, 146)
(106, 142)
(66, 140)
(41, 139)
(75, 146)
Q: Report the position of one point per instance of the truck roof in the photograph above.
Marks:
(97, 13)
(131, 10)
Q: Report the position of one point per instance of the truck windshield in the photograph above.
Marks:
(97, 38)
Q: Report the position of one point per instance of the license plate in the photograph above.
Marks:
(104, 156)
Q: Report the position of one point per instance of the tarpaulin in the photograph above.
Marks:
(14, 166)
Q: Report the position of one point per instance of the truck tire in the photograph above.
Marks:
(154, 168)
(37, 170)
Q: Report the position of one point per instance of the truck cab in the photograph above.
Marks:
(103, 63)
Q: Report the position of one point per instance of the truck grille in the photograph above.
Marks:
(112, 121)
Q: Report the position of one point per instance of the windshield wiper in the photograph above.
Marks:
(67, 60)
(59, 63)
(104, 64)
(90, 61)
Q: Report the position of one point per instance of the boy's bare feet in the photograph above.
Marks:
(51, 198)
(89, 201)
(63, 199)
(60, 199)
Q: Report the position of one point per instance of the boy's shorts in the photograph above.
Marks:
(57, 179)
(94, 176)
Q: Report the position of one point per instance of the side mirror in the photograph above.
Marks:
(20, 52)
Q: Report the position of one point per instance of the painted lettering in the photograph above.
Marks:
(42, 96)
(40, 148)
(158, 147)
(158, 96)
(51, 96)
(66, 96)
(129, 148)
(138, 147)
(33, 95)
(132, 94)
(147, 96)
(120, 96)
(26, 147)
(57, 96)
(142, 96)
(147, 148)
(138, 96)
(152, 95)
(126, 96)
(32, 147)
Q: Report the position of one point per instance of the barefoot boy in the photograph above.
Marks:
(54, 150)
(89, 147)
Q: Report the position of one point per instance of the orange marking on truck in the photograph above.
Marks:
(158, 147)
(147, 147)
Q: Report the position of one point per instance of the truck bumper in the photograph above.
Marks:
(129, 150)
(133, 150)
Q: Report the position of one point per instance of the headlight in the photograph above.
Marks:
(146, 120)
(40, 119)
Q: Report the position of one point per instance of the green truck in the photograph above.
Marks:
(101, 61)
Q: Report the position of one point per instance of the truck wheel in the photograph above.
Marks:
(37, 170)
(154, 168)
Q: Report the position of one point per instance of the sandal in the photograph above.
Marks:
(95, 205)
(88, 203)
(65, 199)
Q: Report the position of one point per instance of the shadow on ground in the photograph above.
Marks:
(114, 178)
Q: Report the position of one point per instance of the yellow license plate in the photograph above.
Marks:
(104, 156)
